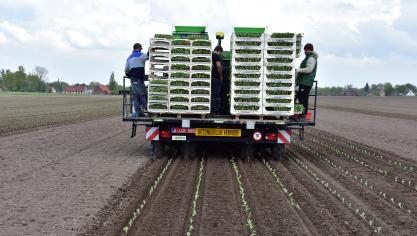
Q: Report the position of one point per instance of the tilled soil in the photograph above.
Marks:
(53, 181)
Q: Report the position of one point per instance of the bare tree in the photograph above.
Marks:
(41, 72)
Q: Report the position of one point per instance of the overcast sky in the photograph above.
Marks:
(358, 41)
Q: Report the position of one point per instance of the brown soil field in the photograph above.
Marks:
(89, 178)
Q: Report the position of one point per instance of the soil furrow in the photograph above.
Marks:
(220, 212)
(271, 209)
(391, 218)
(167, 212)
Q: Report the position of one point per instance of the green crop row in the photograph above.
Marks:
(244, 59)
(200, 84)
(200, 67)
(280, 60)
(278, 84)
(179, 91)
(180, 67)
(181, 50)
(281, 52)
(200, 91)
(248, 43)
(248, 67)
(180, 59)
(163, 36)
(279, 68)
(180, 83)
(158, 81)
(159, 89)
(180, 42)
(281, 44)
(179, 99)
(156, 97)
(201, 43)
(249, 35)
(248, 51)
(254, 76)
(200, 108)
(278, 92)
(247, 91)
(201, 51)
(200, 99)
(246, 83)
(201, 59)
(278, 100)
(298, 108)
(282, 35)
(158, 106)
(246, 107)
(178, 107)
(240, 99)
(180, 75)
(278, 108)
(279, 76)
(200, 76)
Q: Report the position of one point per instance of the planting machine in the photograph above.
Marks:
(258, 108)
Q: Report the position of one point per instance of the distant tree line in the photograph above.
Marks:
(373, 90)
(22, 81)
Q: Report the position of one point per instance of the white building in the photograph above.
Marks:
(410, 93)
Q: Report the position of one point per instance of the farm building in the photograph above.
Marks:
(102, 90)
(76, 89)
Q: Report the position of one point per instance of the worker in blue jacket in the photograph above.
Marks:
(135, 70)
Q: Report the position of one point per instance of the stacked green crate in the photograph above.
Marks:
(247, 73)
(179, 80)
(159, 60)
(200, 76)
(279, 67)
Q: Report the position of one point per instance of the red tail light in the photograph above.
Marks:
(271, 136)
(165, 134)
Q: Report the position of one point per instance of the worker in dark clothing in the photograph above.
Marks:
(305, 76)
(135, 70)
(216, 79)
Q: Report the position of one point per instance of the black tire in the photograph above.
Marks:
(158, 150)
(277, 151)
(247, 152)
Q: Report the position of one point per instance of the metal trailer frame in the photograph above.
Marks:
(168, 124)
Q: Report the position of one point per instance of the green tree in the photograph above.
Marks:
(366, 88)
(113, 84)
(388, 89)
(94, 84)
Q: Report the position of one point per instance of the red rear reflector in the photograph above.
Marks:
(165, 134)
(271, 136)
(308, 116)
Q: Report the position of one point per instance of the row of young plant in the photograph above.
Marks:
(245, 205)
(247, 68)
(159, 62)
(338, 194)
(372, 154)
(139, 209)
(281, 185)
(388, 174)
(359, 179)
(190, 76)
(195, 199)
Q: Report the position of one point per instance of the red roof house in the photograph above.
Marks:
(76, 89)
(102, 89)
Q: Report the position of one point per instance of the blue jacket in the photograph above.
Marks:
(135, 65)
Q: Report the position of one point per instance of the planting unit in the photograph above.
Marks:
(247, 73)
(260, 71)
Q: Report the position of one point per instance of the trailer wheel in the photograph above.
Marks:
(157, 149)
(247, 152)
(187, 150)
(277, 151)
